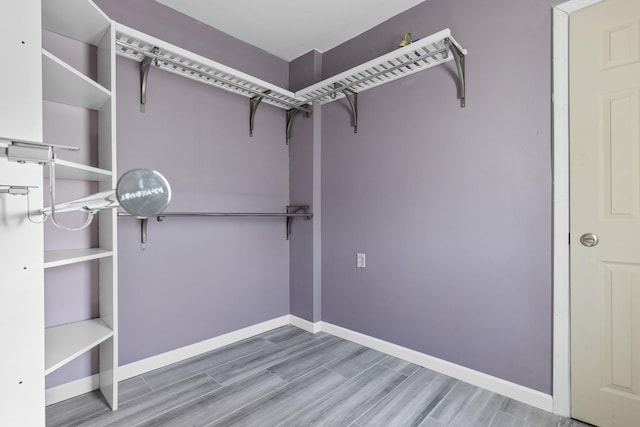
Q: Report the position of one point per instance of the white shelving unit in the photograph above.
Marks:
(58, 77)
(61, 257)
(66, 342)
(77, 19)
(77, 171)
(82, 20)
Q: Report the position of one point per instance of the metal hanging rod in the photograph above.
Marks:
(226, 214)
(159, 58)
(293, 211)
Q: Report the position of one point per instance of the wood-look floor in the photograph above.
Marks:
(289, 377)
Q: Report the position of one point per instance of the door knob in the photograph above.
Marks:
(589, 239)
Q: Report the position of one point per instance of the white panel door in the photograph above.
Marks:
(605, 204)
(21, 70)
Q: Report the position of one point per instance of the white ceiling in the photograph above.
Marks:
(291, 28)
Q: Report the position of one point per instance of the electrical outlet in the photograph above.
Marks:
(361, 260)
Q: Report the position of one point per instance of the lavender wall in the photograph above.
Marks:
(452, 206)
(304, 295)
(198, 278)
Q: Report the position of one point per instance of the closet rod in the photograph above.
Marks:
(250, 214)
(203, 73)
(293, 211)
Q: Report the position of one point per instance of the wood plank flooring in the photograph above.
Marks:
(289, 377)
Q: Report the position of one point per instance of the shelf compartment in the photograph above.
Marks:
(65, 85)
(78, 19)
(415, 57)
(135, 45)
(77, 171)
(66, 342)
(58, 258)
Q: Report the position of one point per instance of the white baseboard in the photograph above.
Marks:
(488, 382)
(497, 385)
(87, 384)
(303, 324)
(71, 389)
(149, 364)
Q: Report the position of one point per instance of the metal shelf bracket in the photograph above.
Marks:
(145, 65)
(295, 209)
(291, 115)
(253, 107)
(143, 233)
(352, 97)
(458, 56)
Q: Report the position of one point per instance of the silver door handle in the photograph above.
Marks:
(589, 239)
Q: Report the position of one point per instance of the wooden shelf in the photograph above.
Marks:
(78, 19)
(65, 85)
(77, 171)
(71, 256)
(66, 342)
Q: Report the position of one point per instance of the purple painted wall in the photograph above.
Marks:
(303, 296)
(198, 278)
(452, 206)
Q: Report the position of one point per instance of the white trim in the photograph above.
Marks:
(149, 364)
(571, 6)
(497, 385)
(488, 382)
(87, 384)
(303, 324)
(71, 389)
(561, 315)
(561, 295)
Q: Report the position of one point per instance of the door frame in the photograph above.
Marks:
(561, 284)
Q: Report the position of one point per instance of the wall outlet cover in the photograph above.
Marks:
(361, 260)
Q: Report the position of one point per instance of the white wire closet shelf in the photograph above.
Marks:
(136, 45)
(418, 56)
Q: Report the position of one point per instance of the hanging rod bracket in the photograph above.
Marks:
(254, 102)
(16, 190)
(295, 209)
(291, 114)
(458, 57)
(352, 97)
(143, 233)
(145, 65)
(32, 152)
